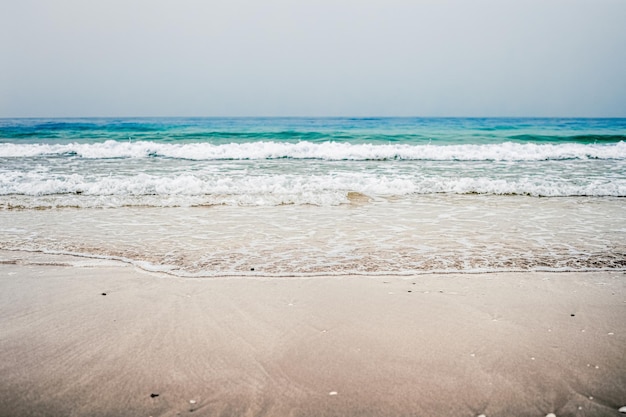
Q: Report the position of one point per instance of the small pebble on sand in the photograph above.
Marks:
(622, 410)
(550, 415)
(192, 401)
(332, 393)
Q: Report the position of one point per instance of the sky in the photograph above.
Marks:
(470, 58)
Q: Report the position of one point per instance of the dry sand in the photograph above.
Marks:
(505, 344)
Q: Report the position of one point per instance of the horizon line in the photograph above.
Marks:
(313, 117)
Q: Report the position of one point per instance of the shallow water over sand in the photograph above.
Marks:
(416, 234)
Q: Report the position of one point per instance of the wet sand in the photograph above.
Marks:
(112, 340)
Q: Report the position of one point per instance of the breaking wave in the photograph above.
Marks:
(37, 190)
(508, 151)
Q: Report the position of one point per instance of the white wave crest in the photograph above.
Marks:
(507, 151)
(39, 190)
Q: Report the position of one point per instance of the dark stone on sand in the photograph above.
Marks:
(251, 269)
(572, 315)
(410, 291)
(154, 395)
(104, 293)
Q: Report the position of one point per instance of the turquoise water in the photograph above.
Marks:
(298, 196)
(190, 162)
(411, 131)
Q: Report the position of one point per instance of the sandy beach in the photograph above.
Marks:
(112, 340)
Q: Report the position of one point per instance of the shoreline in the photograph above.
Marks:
(26, 257)
(109, 339)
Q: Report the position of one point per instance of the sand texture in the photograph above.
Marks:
(505, 344)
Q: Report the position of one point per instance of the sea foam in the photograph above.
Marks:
(18, 189)
(508, 151)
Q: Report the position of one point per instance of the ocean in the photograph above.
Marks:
(289, 197)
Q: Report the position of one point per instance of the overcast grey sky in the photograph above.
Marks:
(313, 58)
